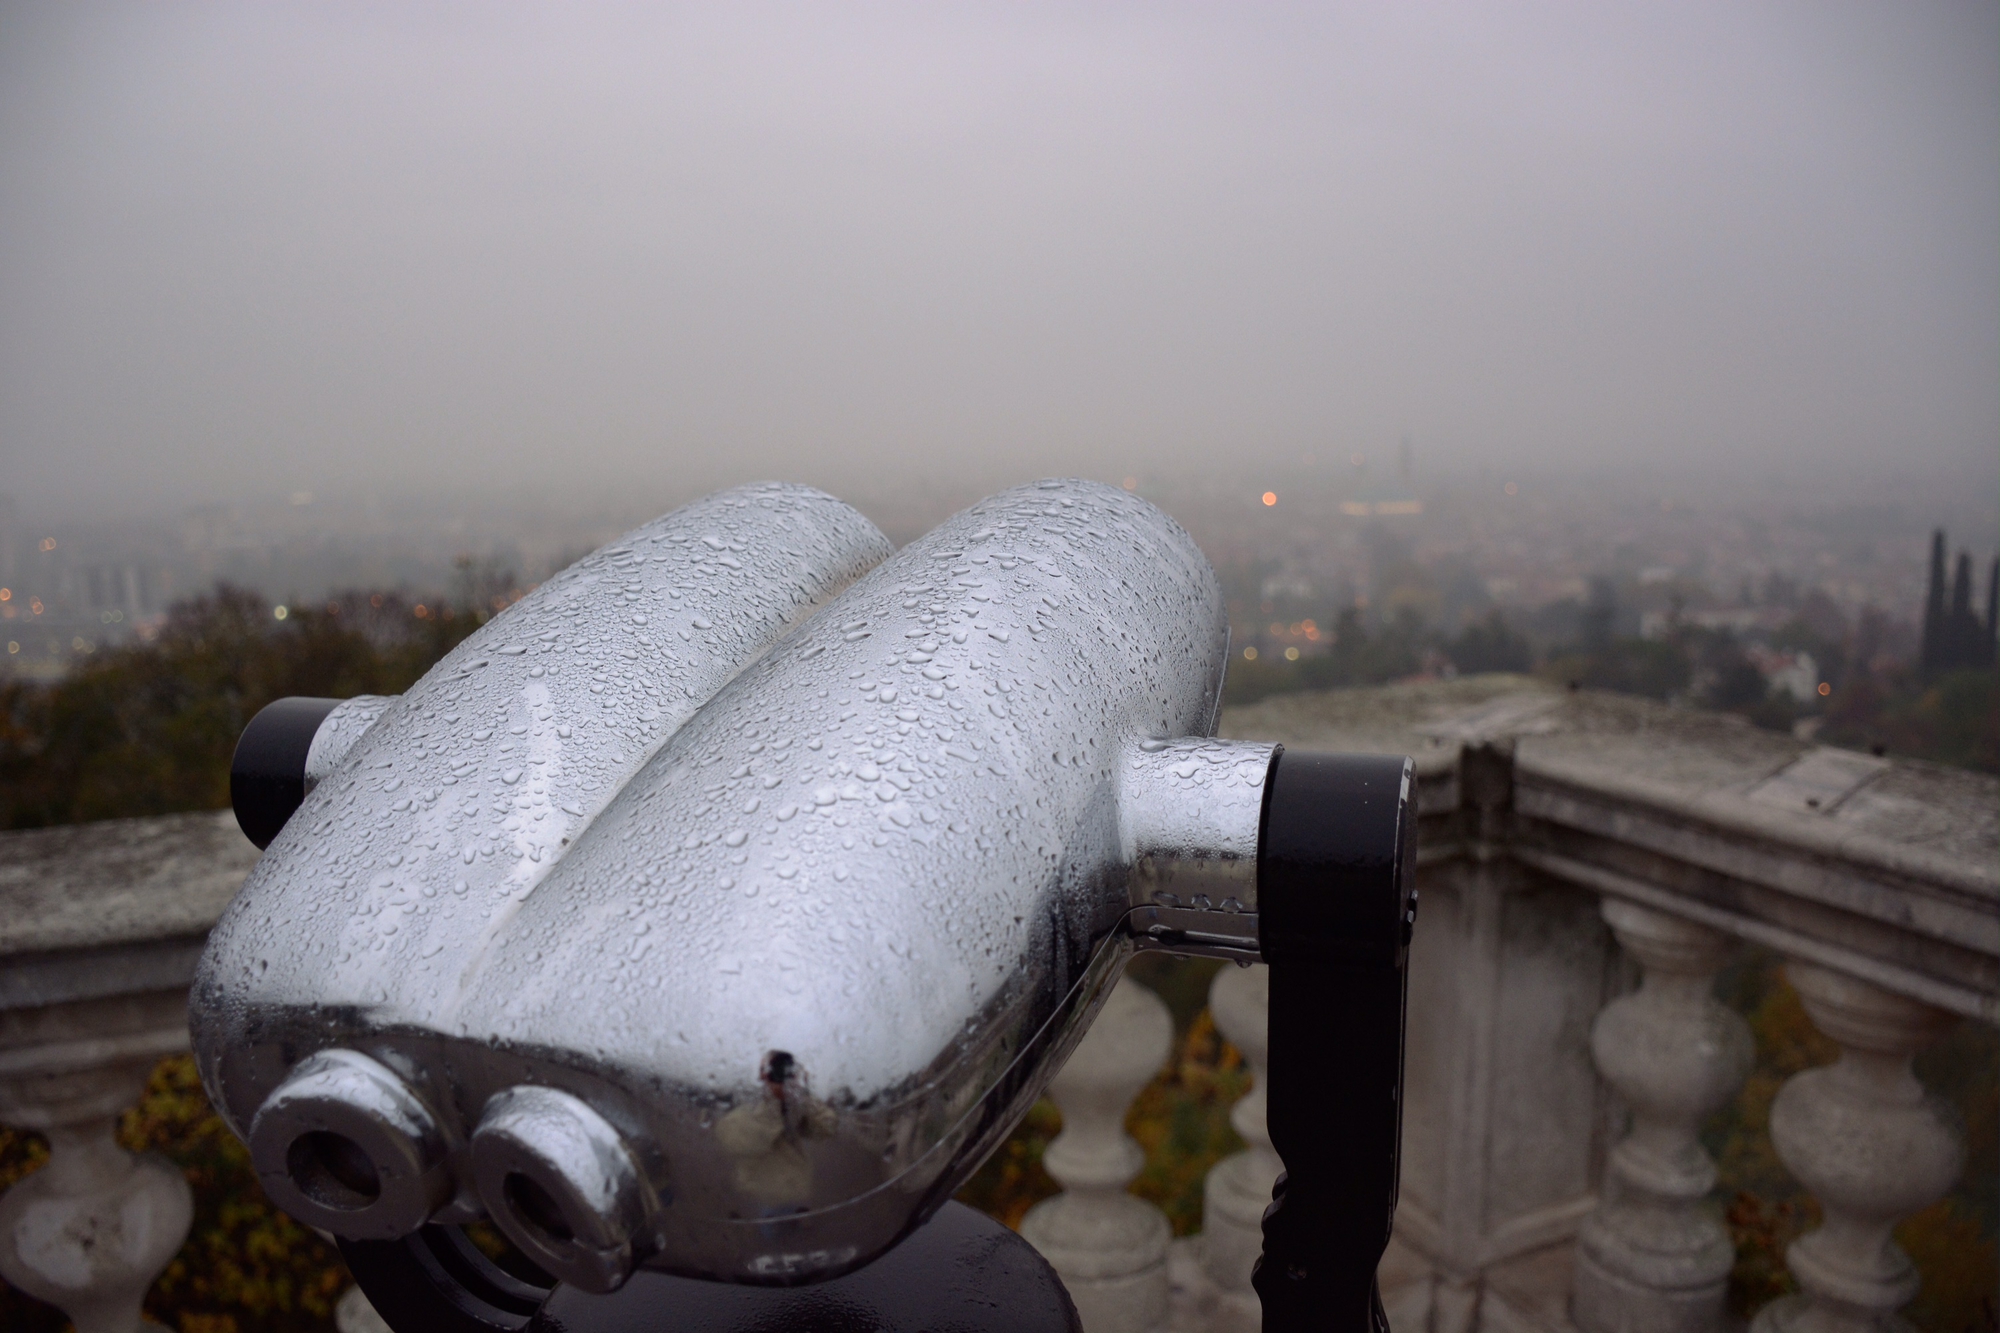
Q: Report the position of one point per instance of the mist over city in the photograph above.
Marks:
(591, 251)
(1688, 298)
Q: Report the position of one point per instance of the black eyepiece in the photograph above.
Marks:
(267, 776)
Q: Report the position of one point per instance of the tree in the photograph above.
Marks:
(148, 729)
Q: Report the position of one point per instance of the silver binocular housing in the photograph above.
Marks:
(718, 907)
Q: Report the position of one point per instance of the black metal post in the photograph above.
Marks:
(1336, 889)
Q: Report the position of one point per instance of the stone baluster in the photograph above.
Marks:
(1650, 1259)
(1871, 1145)
(90, 1231)
(1238, 1188)
(1109, 1246)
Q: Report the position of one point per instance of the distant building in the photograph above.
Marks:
(1796, 674)
(1955, 636)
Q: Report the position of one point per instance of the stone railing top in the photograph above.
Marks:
(118, 881)
(1886, 868)
(1910, 817)
(1425, 720)
(116, 907)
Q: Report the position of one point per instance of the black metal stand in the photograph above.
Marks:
(961, 1272)
(437, 1279)
(1337, 900)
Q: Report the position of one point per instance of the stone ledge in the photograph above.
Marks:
(117, 882)
(1887, 870)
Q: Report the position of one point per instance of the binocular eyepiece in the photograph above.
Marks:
(718, 907)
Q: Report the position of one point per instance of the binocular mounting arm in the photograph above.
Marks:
(1303, 861)
(1336, 873)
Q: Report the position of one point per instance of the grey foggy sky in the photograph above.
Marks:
(251, 248)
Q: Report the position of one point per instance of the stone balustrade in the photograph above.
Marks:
(1650, 1259)
(100, 929)
(1589, 865)
(1215, 1285)
(1109, 1247)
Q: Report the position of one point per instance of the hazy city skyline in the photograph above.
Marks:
(247, 250)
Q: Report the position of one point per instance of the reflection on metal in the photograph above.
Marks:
(723, 920)
(1190, 812)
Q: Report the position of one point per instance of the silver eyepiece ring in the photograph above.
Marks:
(344, 1145)
(560, 1181)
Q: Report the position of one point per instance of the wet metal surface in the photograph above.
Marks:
(810, 954)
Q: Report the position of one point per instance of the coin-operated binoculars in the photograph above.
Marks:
(705, 919)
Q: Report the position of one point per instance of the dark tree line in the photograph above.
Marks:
(148, 728)
(1955, 637)
(1874, 698)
